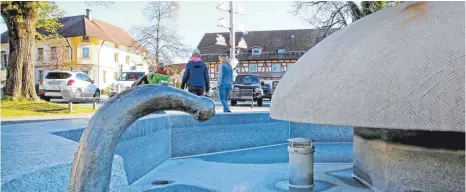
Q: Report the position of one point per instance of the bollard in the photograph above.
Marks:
(301, 164)
(93, 105)
(70, 106)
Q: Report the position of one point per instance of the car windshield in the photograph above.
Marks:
(57, 75)
(266, 86)
(130, 76)
(247, 79)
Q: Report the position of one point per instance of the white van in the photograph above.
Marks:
(125, 80)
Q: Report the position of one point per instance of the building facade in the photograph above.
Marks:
(269, 54)
(97, 48)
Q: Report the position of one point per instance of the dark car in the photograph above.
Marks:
(247, 88)
(268, 91)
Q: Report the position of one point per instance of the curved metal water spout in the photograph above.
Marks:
(92, 164)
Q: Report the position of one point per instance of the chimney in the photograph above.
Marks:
(88, 14)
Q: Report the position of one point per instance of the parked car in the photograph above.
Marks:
(79, 82)
(245, 87)
(268, 91)
(125, 81)
(213, 93)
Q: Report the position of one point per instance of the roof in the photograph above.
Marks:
(80, 25)
(268, 41)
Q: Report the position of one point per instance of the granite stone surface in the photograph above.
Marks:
(141, 155)
(321, 133)
(389, 166)
(220, 172)
(324, 153)
(209, 139)
(402, 68)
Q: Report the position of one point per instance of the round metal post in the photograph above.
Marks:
(301, 163)
(92, 165)
(70, 106)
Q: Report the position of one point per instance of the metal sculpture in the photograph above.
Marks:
(92, 164)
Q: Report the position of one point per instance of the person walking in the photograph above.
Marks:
(160, 76)
(225, 81)
(196, 75)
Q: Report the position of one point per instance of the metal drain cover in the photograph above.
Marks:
(160, 182)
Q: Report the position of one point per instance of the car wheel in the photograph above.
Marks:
(45, 98)
(78, 93)
(233, 102)
(260, 102)
(97, 95)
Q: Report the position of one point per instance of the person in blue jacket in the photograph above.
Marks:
(225, 81)
(196, 75)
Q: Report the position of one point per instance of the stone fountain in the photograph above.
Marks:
(92, 165)
(397, 77)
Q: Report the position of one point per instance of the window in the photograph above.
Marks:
(85, 53)
(281, 51)
(277, 67)
(86, 78)
(85, 38)
(40, 52)
(53, 53)
(86, 72)
(247, 79)
(130, 76)
(288, 66)
(256, 51)
(252, 67)
(58, 75)
(116, 57)
(80, 77)
(128, 59)
(4, 59)
(105, 76)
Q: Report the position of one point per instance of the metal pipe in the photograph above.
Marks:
(301, 164)
(93, 160)
(232, 31)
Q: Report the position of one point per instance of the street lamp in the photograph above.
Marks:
(221, 40)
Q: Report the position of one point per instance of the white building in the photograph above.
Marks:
(99, 49)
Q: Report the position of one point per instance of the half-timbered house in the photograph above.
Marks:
(269, 53)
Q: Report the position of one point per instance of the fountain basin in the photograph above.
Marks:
(177, 148)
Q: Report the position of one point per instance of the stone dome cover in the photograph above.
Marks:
(401, 68)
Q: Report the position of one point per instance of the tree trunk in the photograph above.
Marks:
(15, 61)
(29, 86)
(20, 69)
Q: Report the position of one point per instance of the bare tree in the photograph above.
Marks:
(58, 56)
(158, 39)
(329, 15)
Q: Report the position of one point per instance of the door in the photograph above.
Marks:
(91, 88)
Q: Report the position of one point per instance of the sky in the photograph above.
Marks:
(195, 17)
